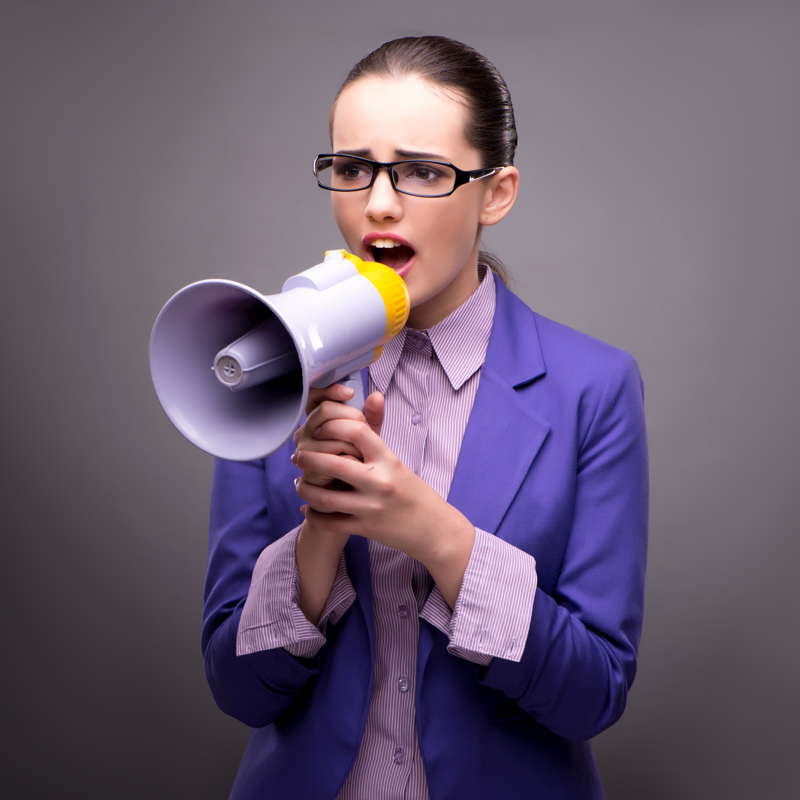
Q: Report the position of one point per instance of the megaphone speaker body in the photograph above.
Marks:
(232, 367)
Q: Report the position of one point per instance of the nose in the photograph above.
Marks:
(384, 202)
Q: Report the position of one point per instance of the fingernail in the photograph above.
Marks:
(317, 432)
(296, 481)
(294, 458)
(348, 391)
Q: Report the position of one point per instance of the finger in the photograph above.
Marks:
(332, 523)
(373, 411)
(335, 392)
(343, 468)
(325, 411)
(326, 500)
(318, 479)
(332, 446)
(368, 443)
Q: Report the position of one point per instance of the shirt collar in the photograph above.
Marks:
(459, 340)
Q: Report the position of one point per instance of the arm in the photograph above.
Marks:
(259, 609)
(255, 688)
(388, 502)
(318, 551)
(580, 656)
(272, 617)
(493, 610)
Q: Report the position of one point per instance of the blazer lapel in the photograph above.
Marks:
(503, 434)
(502, 438)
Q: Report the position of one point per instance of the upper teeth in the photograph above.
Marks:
(385, 243)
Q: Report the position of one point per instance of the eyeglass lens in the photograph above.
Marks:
(424, 178)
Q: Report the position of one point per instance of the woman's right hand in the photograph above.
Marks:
(328, 404)
(318, 552)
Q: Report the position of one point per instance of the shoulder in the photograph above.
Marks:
(572, 355)
(529, 347)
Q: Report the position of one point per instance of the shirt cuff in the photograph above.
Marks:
(494, 606)
(271, 617)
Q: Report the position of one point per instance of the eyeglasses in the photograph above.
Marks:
(343, 173)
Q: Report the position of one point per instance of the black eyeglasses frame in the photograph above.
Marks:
(462, 176)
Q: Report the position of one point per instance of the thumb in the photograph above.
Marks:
(373, 411)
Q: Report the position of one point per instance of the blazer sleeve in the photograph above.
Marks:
(259, 687)
(580, 655)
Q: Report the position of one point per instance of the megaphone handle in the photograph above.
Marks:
(354, 382)
(357, 400)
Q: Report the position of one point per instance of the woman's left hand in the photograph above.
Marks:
(388, 503)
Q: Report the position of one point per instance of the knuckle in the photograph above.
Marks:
(327, 502)
(383, 484)
(374, 508)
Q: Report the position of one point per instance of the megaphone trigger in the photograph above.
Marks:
(354, 382)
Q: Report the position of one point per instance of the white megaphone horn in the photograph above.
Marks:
(232, 367)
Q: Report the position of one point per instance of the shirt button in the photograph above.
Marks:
(402, 611)
(398, 755)
(402, 683)
(415, 420)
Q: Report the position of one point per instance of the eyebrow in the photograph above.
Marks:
(414, 154)
(367, 153)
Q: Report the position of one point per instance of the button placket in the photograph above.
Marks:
(419, 367)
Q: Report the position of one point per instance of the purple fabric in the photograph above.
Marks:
(554, 463)
(429, 380)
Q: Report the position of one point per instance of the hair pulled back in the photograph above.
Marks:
(490, 127)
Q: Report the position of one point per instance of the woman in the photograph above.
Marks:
(463, 619)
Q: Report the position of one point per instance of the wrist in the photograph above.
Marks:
(448, 547)
(319, 541)
(317, 555)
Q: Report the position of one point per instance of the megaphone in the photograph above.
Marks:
(232, 367)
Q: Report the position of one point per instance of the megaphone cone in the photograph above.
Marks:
(232, 367)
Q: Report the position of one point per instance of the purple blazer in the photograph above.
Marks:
(554, 461)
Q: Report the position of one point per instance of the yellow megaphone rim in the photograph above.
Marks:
(393, 291)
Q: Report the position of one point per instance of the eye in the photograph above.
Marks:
(422, 173)
(352, 171)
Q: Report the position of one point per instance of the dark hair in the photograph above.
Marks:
(490, 128)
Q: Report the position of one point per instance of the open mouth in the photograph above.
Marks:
(391, 253)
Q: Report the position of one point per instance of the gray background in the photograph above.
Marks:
(145, 145)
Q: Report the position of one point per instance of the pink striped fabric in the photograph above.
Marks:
(430, 380)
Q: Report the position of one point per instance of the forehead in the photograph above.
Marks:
(386, 116)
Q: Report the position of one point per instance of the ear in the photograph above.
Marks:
(500, 195)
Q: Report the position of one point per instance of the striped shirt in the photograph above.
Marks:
(430, 379)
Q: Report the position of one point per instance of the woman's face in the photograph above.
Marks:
(394, 119)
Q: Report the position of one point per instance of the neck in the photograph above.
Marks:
(427, 314)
